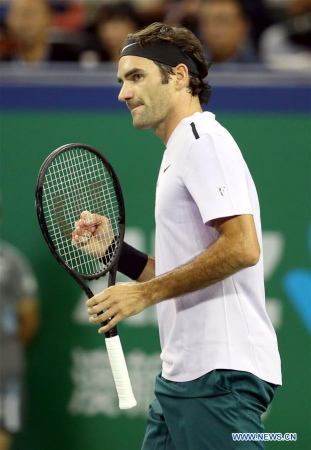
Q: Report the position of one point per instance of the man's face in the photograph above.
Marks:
(28, 21)
(223, 28)
(149, 100)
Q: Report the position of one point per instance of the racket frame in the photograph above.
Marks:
(113, 344)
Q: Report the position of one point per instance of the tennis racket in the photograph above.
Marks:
(73, 179)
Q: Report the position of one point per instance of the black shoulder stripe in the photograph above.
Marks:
(194, 131)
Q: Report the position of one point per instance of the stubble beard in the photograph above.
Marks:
(151, 116)
(141, 121)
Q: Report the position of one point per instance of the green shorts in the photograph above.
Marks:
(202, 414)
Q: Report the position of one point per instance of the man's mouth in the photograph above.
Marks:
(134, 107)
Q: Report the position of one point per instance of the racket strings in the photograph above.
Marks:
(78, 181)
(76, 203)
(80, 197)
(75, 165)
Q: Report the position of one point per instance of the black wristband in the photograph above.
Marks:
(131, 262)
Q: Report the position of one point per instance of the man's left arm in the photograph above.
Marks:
(236, 248)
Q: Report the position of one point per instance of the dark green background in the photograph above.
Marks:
(276, 148)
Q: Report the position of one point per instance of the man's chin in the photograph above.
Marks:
(140, 125)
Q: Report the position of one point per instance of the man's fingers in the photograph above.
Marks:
(98, 298)
(84, 225)
(81, 237)
(85, 214)
(94, 224)
(110, 325)
(89, 219)
(103, 317)
(97, 309)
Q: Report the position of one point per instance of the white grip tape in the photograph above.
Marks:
(120, 373)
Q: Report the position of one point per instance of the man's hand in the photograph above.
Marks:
(120, 301)
(92, 234)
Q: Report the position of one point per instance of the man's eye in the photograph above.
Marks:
(137, 77)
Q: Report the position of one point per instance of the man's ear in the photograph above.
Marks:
(182, 75)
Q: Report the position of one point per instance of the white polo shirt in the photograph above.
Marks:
(203, 176)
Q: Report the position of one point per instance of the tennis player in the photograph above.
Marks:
(220, 357)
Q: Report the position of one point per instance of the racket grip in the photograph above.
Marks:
(120, 373)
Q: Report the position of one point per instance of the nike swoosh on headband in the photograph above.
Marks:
(134, 43)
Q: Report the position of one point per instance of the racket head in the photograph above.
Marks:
(75, 178)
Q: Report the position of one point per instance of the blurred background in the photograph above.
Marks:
(58, 85)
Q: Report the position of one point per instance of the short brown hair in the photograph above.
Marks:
(186, 41)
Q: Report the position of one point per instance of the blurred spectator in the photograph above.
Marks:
(259, 16)
(18, 324)
(7, 46)
(68, 15)
(288, 44)
(114, 23)
(185, 13)
(276, 3)
(150, 11)
(225, 32)
(28, 23)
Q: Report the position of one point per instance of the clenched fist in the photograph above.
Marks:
(92, 234)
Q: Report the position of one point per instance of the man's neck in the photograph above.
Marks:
(166, 128)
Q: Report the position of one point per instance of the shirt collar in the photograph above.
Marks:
(183, 126)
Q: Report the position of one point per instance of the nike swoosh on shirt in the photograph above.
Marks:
(166, 168)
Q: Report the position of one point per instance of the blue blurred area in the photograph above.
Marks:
(70, 87)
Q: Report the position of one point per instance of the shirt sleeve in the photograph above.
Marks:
(216, 176)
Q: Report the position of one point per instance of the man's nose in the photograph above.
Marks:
(126, 93)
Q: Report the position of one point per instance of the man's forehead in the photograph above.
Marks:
(130, 62)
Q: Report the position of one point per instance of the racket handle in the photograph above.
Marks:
(120, 373)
